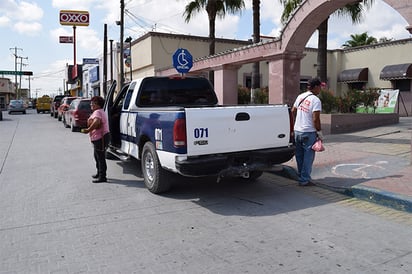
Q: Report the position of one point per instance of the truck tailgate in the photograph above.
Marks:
(236, 128)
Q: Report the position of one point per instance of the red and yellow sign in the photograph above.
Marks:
(74, 17)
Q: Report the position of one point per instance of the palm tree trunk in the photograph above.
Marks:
(322, 51)
(256, 39)
(212, 43)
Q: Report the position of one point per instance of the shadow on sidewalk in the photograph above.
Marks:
(342, 185)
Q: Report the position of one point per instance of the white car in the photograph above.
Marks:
(16, 106)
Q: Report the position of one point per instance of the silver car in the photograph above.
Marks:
(16, 106)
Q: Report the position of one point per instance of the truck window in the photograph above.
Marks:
(164, 91)
(129, 96)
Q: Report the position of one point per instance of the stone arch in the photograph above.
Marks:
(283, 55)
(298, 31)
(312, 13)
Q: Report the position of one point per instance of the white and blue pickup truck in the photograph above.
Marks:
(174, 124)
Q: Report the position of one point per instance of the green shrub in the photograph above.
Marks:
(329, 101)
(349, 102)
(261, 96)
(243, 95)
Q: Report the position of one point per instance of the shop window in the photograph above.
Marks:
(402, 84)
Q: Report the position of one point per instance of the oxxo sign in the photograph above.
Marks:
(74, 17)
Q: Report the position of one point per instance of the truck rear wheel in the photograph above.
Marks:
(155, 177)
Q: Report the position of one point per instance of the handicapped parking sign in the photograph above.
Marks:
(182, 60)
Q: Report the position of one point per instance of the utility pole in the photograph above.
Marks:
(121, 43)
(29, 95)
(111, 61)
(105, 62)
(15, 67)
(21, 65)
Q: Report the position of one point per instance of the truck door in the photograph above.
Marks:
(128, 121)
(113, 109)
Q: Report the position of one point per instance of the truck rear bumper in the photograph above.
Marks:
(234, 162)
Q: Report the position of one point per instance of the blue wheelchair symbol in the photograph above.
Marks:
(182, 60)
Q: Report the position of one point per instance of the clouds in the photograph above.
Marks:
(74, 4)
(28, 28)
(33, 25)
(23, 17)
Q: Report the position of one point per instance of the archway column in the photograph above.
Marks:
(284, 78)
(226, 86)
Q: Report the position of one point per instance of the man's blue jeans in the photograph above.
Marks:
(304, 154)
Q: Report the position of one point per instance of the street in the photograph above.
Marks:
(55, 220)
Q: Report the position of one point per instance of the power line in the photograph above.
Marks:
(152, 23)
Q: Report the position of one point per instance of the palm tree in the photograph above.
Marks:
(354, 11)
(362, 39)
(256, 39)
(214, 8)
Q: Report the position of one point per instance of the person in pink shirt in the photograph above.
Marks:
(98, 129)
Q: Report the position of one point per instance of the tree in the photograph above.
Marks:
(214, 8)
(385, 39)
(362, 39)
(256, 39)
(354, 11)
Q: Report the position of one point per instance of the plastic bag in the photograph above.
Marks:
(318, 146)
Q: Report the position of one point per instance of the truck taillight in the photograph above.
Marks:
(291, 126)
(179, 133)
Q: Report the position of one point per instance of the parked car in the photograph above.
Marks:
(43, 104)
(55, 105)
(77, 114)
(17, 106)
(64, 106)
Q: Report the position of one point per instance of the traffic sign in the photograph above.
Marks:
(182, 60)
(12, 72)
(66, 39)
(90, 61)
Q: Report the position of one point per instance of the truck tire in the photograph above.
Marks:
(155, 177)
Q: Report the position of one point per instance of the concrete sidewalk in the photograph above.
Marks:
(373, 165)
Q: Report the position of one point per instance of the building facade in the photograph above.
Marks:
(384, 65)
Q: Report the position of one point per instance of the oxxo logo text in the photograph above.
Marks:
(74, 18)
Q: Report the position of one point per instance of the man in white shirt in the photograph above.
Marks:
(307, 129)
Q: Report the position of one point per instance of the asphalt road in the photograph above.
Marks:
(54, 220)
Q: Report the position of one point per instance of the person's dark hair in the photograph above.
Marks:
(313, 83)
(98, 101)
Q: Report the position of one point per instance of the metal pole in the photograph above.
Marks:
(105, 62)
(121, 43)
(15, 77)
(131, 71)
(29, 95)
(74, 46)
(111, 61)
(15, 68)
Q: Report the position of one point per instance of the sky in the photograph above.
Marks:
(31, 28)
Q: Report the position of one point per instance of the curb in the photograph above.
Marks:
(370, 194)
(381, 197)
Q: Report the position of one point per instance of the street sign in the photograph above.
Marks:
(12, 72)
(66, 39)
(74, 17)
(90, 61)
(182, 60)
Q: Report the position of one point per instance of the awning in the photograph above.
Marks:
(393, 72)
(353, 75)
